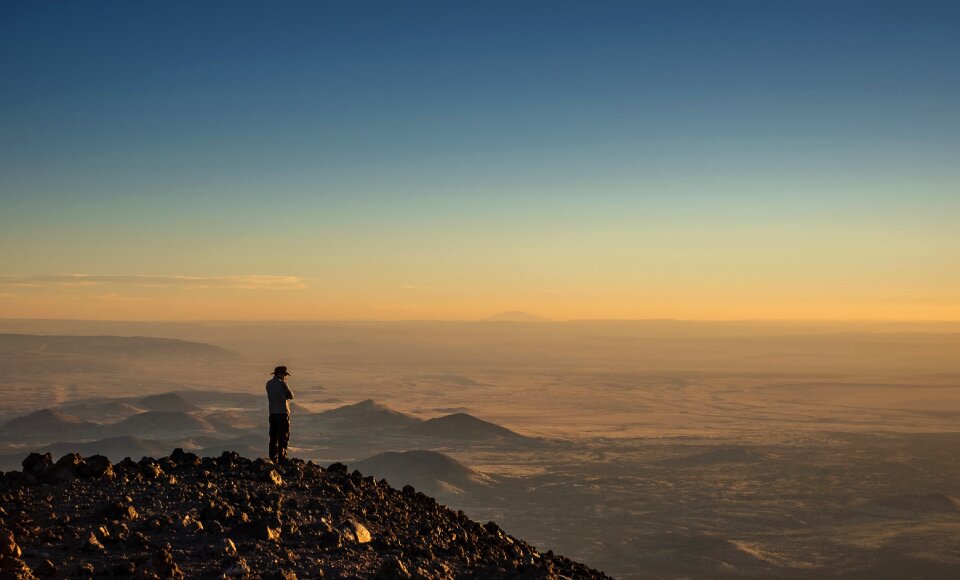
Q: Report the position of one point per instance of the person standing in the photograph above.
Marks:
(279, 396)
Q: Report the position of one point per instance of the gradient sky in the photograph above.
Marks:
(449, 160)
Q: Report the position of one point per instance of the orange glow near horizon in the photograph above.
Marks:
(105, 301)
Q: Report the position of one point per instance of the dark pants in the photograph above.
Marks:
(279, 436)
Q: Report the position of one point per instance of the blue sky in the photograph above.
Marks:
(164, 139)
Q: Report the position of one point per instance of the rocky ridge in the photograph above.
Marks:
(184, 516)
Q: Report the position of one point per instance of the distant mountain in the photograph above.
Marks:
(47, 422)
(223, 398)
(101, 410)
(168, 402)
(463, 426)
(370, 416)
(428, 471)
(295, 407)
(516, 316)
(11, 461)
(298, 409)
(236, 420)
(112, 347)
(164, 424)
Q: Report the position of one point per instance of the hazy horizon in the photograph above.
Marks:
(486, 319)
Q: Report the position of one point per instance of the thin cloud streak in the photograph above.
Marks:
(70, 281)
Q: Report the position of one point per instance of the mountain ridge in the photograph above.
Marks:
(46, 421)
(115, 346)
(371, 414)
(463, 426)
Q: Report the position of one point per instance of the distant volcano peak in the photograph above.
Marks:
(369, 412)
(516, 316)
(463, 426)
(51, 416)
(46, 422)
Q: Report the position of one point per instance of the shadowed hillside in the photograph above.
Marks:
(160, 424)
(47, 422)
(463, 426)
(102, 410)
(368, 415)
(428, 470)
(168, 402)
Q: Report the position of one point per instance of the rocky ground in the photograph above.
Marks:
(184, 516)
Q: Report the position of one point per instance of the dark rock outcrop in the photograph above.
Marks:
(184, 516)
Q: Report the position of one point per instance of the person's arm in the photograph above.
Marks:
(289, 394)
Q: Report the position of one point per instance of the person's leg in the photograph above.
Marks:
(284, 436)
(274, 438)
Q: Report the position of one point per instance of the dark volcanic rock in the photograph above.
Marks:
(11, 565)
(46, 568)
(36, 463)
(97, 466)
(188, 517)
(392, 569)
(119, 511)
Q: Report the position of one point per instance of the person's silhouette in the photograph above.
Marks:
(279, 396)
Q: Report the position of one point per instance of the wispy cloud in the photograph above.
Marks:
(69, 281)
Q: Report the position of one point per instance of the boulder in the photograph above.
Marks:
(183, 459)
(71, 460)
(236, 569)
(271, 475)
(36, 463)
(354, 531)
(162, 565)
(97, 466)
(90, 543)
(392, 569)
(8, 545)
(225, 548)
(119, 511)
(47, 569)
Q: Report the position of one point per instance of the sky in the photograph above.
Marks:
(451, 160)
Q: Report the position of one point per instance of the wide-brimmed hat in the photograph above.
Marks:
(281, 370)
